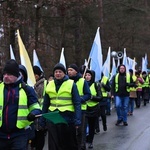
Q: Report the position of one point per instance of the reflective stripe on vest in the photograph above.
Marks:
(91, 103)
(104, 81)
(127, 80)
(23, 110)
(80, 84)
(146, 82)
(134, 80)
(61, 100)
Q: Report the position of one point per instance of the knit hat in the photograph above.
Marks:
(37, 70)
(59, 66)
(131, 70)
(75, 67)
(11, 67)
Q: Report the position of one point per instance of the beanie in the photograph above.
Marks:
(59, 66)
(11, 67)
(37, 70)
(131, 70)
(75, 67)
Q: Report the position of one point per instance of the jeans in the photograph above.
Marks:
(108, 105)
(122, 107)
(16, 143)
(131, 105)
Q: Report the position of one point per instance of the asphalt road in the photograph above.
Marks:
(135, 136)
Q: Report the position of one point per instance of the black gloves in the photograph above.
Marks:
(31, 117)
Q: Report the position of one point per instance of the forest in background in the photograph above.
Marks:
(49, 25)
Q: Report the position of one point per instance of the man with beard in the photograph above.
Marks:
(120, 91)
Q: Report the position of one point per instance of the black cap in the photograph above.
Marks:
(37, 70)
(59, 66)
(130, 70)
(11, 67)
(75, 67)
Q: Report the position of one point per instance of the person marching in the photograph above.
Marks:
(120, 89)
(92, 112)
(145, 88)
(39, 87)
(139, 83)
(85, 95)
(18, 109)
(132, 95)
(105, 88)
(62, 96)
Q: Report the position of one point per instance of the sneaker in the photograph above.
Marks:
(90, 146)
(118, 122)
(125, 123)
(105, 127)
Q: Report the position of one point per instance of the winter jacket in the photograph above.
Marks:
(10, 109)
(70, 117)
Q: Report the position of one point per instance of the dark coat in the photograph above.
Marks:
(9, 117)
(70, 117)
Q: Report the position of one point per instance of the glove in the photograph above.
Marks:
(31, 117)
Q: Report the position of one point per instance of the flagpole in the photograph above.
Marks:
(86, 67)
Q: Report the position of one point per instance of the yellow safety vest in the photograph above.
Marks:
(146, 82)
(134, 80)
(61, 100)
(104, 81)
(80, 84)
(92, 103)
(23, 109)
(127, 80)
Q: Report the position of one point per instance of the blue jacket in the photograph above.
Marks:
(11, 99)
(70, 117)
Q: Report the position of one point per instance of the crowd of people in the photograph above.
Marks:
(72, 93)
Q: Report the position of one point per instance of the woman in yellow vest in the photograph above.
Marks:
(132, 95)
(92, 105)
(139, 83)
(105, 88)
(145, 87)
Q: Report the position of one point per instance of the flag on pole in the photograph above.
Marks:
(96, 56)
(62, 58)
(118, 63)
(12, 56)
(144, 65)
(124, 57)
(125, 61)
(36, 61)
(25, 60)
(106, 66)
(133, 66)
(146, 60)
(114, 68)
(54, 116)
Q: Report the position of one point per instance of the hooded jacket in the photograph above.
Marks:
(9, 117)
(122, 84)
